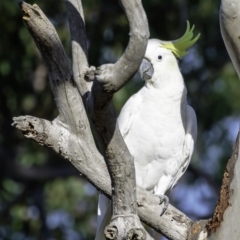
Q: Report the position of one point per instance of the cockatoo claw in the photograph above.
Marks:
(163, 199)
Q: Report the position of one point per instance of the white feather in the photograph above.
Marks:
(104, 216)
(128, 113)
(158, 125)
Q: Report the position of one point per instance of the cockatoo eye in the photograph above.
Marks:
(159, 57)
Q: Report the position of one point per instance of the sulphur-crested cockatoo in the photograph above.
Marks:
(157, 124)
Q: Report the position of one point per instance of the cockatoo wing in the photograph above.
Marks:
(104, 216)
(129, 112)
(190, 139)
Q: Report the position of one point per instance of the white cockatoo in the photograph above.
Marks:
(157, 124)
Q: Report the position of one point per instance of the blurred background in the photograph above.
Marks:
(41, 195)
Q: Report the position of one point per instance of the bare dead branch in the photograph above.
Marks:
(114, 76)
(81, 72)
(110, 78)
(57, 136)
(59, 70)
(70, 136)
(79, 44)
(148, 204)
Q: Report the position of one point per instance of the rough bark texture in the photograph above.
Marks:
(225, 193)
(225, 221)
(198, 230)
(110, 78)
(226, 218)
(79, 44)
(148, 204)
(70, 134)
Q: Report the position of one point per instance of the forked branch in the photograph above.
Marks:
(70, 134)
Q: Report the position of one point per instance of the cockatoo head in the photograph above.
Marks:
(161, 56)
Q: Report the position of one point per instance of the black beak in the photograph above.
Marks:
(146, 70)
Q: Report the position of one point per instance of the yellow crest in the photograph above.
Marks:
(180, 46)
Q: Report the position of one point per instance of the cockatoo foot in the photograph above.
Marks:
(163, 199)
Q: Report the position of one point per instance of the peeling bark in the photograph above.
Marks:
(198, 231)
(225, 193)
(225, 220)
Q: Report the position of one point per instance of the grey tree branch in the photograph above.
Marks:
(114, 76)
(70, 135)
(71, 129)
(79, 44)
(58, 137)
(110, 78)
(79, 53)
(173, 224)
